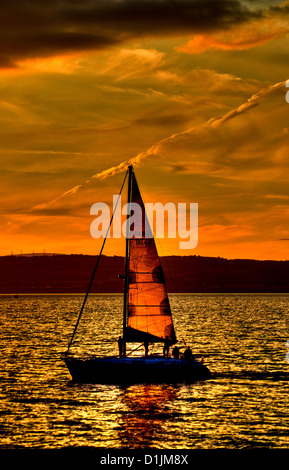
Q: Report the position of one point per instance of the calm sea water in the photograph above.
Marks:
(243, 341)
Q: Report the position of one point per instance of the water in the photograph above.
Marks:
(243, 341)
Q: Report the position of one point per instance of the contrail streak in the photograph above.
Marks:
(46, 204)
(253, 101)
(214, 122)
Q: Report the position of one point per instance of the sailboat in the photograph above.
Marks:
(147, 316)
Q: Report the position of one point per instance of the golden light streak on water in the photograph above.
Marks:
(243, 341)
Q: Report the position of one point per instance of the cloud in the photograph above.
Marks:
(131, 63)
(42, 29)
(245, 36)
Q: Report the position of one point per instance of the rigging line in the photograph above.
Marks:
(95, 267)
(133, 350)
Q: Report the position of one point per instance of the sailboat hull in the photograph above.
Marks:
(114, 370)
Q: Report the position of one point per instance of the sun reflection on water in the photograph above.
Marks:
(145, 414)
(243, 340)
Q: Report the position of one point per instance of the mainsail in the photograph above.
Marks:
(148, 310)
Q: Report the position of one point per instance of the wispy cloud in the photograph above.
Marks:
(130, 63)
(241, 37)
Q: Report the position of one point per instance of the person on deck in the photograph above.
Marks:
(120, 346)
(188, 355)
(146, 346)
(176, 352)
(166, 347)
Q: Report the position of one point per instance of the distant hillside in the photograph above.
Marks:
(71, 274)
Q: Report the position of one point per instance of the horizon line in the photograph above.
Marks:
(50, 254)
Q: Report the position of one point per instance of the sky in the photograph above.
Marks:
(191, 91)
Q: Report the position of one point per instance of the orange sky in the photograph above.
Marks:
(199, 105)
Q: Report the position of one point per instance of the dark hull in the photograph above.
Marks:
(114, 370)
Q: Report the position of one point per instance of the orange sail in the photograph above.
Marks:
(148, 310)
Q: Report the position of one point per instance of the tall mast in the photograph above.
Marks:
(130, 171)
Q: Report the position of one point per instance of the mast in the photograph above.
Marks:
(130, 170)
